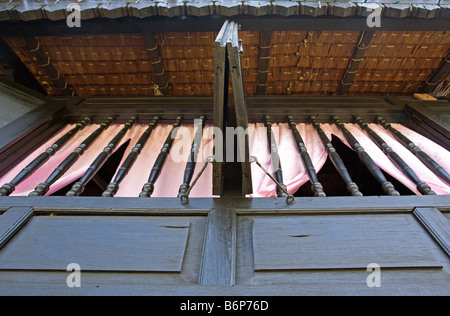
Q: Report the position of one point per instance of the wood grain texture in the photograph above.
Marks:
(99, 244)
(436, 224)
(218, 263)
(336, 242)
(12, 221)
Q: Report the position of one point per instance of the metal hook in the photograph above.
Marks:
(184, 199)
(290, 198)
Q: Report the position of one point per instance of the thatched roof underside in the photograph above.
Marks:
(301, 62)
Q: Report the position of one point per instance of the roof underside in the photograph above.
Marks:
(301, 62)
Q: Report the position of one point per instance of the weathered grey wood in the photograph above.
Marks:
(436, 224)
(107, 243)
(243, 152)
(218, 263)
(219, 101)
(199, 206)
(338, 242)
(12, 221)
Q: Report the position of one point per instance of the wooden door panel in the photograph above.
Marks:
(99, 243)
(340, 242)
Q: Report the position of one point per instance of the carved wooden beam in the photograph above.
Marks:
(44, 61)
(158, 67)
(355, 60)
(265, 45)
(439, 74)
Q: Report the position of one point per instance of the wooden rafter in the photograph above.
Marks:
(355, 60)
(44, 61)
(439, 74)
(162, 87)
(265, 45)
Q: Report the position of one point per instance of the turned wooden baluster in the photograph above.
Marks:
(9, 187)
(336, 160)
(306, 159)
(43, 187)
(386, 186)
(274, 157)
(192, 158)
(395, 158)
(112, 188)
(426, 160)
(79, 186)
(149, 186)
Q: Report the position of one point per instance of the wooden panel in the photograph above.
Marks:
(99, 243)
(12, 221)
(219, 249)
(436, 224)
(334, 242)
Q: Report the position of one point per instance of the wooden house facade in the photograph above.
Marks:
(341, 187)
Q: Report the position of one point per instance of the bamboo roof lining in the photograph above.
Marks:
(306, 62)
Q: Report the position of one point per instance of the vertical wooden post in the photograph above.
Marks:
(218, 263)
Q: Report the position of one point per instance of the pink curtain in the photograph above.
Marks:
(172, 174)
(171, 177)
(435, 151)
(294, 173)
(78, 168)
